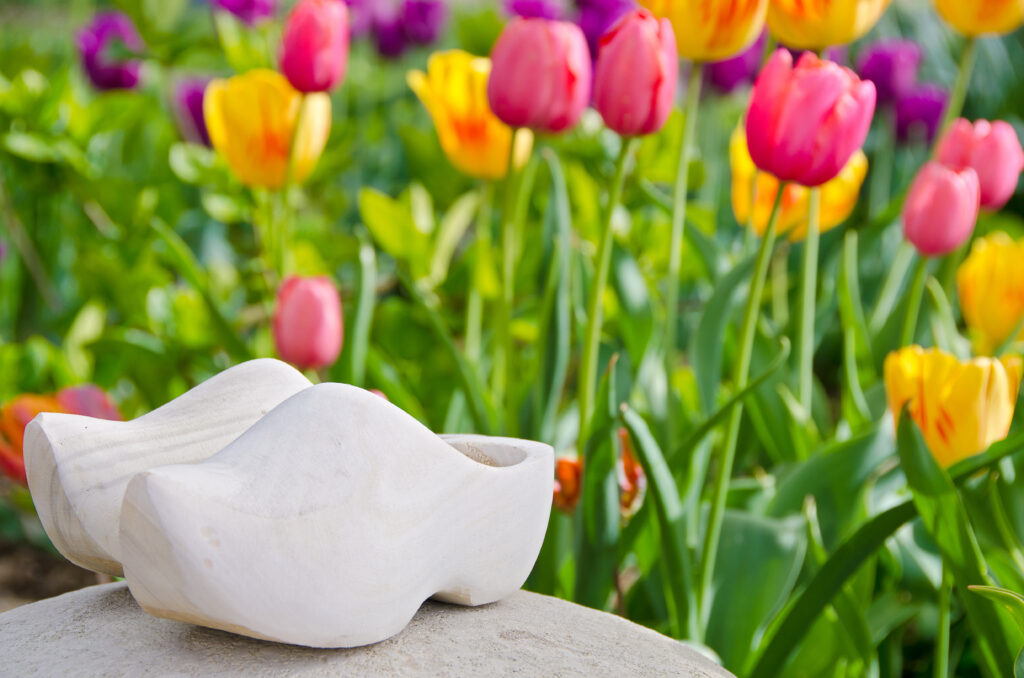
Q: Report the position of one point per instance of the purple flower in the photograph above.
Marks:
(892, 65)
(396, 24)
(188, 109)
(597, 16)
(94, 43)
(919, 112)
(422, 20)
(543, 9)
(838, 54)
(249, 11)
(727, 75)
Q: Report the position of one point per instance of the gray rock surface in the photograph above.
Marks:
(101, 631)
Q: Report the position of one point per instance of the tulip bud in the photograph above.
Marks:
(730, 74)
(941, 209)
(249, 11)
(982, 17)
(805, 123)
(892, 65)
(94, 44)
(314, 47)
(90, 401)
(308, 326)
(992, 150)
(422, 20)
(540, 75)
(568, 484)
(632, 479)
(636, 74)
(541, 9)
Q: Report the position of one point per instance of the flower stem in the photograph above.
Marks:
(591, 342)
(475, 304)
(942, 641)
(741, 376)
(678, 231)
(914, 302)
(808, 291)
(501, 377)
(959, 93)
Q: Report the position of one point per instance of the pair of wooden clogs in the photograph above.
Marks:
(318, 515)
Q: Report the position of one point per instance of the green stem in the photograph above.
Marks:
(27, 250)
(808, 291)
(502, 376)
(914, 302)
(958, 95)
(741, 376)
(891, 287)
(678, 231)
(475, 304)
(592, 338)
(881, 167)
(942, 640)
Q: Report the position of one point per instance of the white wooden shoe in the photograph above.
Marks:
(331, 520)
(78, 467)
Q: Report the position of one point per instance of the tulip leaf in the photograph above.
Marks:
(1013, 602)
(391, 224)
(453, 227)
(708, 341)
(671, 520)
(358, 326)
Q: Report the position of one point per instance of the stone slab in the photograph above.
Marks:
(101, 631)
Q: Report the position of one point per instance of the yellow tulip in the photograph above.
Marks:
(961, 407)
(711, 30)
(978, 17)
(454, 92)
(838, 196)
(816, 24)
(252, 119)
(991, 286)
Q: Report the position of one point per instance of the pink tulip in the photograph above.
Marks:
(805, 123)
(314, 46)
(540, 75)
(941, 209)
(635, 78)
(88, 400)
(992, 150)
(308, 326)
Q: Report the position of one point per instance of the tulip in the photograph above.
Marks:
(94, 44)
(817, 24)
(805, 123)
(87, 400)
(730, 74)
(636, 73)
(981, 17)
(919, 113)
(992, 150)
(90, 401)
(188, 109)
(961, 407)
(454, 92)
(941, 209)
(892, 65)
(711, 30)
(632, 479)
(568, 484)
(540, 75)
(597, 16)
(990, 282)
(314, 46)
(252, 121)
(538, 9)
(308, 325)
(838, 196)
(249, 11)
(422, 20)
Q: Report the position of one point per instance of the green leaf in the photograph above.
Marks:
(391, 224)
(454, 225)
(192, 163)
(671, 522)
(743, 605)
(1013, 602)
(357, 339)
(708, 341)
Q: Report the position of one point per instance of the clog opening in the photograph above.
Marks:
(490, 454)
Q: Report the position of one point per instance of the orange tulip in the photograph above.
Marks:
(568, 483)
